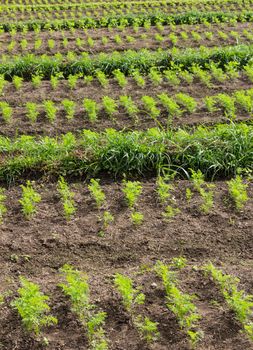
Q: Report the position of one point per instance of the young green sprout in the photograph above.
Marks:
(36, 81)
(29, 200)
(120, 78)
(237, 300)
(132, 190)
(76, 287)
(3, 209)
(50, 110)
(32, 111)
(130, 107)
(177, 302)
(17, 81)
(69, 108)
(6, 111)
(238, 191)
(207, 196)
(67, 198)
(131, 297)
(97, 192)
(3, 82)
(110, 106)
(103, 80)
(32, 307)
(91, 109)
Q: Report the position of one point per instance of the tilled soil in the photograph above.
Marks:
(149, 41)
(20, 123)
(37, 249)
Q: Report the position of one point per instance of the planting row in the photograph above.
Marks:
(127, 61)
(237, 193)
(32, 305)
(175, 106)
(173, 78)
(97, 9)
(217, 151)
(151, 39)
(130, 20)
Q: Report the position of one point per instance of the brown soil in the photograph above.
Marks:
(21, 125)
(39, 247)
(140, 43)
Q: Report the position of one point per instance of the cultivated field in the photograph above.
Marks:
(126, 170)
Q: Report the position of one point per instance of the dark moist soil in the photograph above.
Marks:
(37, 248)
(140, 43)
(21, 125)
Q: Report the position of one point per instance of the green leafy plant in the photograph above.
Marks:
(6, 111)
(50, 110)
(217, 73)
(69, 108)
(244, 101)
(130, 106)
(238, 191)
(210, 103)
(248, 69)
(171, 106)
(188, 194)
(163, 189)
(91, 109)
(136, 217)
(232, 69)
(72, 80)
(37, 44)
(147, 328)
(207, 196)
(110, 106)
(51, 44)
(29, 199)
(131, 297)
(55, 79)
(172, 77)
(67, 198)
(120, 77)
(132, 190)
(3, 83)
(3, 209)
(150, 106)
(76, 287)
(105, 217)
(228, 104)
(36, 80)
(155, 76)
(170, 212)
(102, 78)
(97, 192)
(32, 307)
(23, 44)
(32, 111)
(17, 82)
(138, 78)
(238, 301)
(187, 102)
(180, 303)
(203, 75)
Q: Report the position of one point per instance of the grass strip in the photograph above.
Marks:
(127, 61)
(218, 152)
